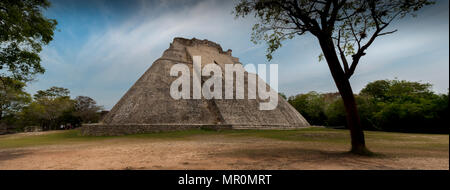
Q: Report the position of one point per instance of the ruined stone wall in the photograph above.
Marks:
(127, 129)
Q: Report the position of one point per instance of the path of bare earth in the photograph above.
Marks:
(224, 151)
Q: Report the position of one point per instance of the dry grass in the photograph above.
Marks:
(310, 148)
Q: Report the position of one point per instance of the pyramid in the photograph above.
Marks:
(148, 106)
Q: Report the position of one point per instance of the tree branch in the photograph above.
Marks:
(334, 13)
(385, 33)
(314, 27)
(342, 54)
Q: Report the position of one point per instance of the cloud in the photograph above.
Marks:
(111, 59)
(102, 53)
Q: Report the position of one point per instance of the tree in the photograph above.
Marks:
(376, 89)
(87, 109)
(51, 93)
(389, 90)
(404, 105)
(12, 97)
(345, 29)
(53, 107)
(23, 32)
(311, 106)
(48, 107)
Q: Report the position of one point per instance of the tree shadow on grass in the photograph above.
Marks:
(12, 154)
(294, 152)
(286, 156)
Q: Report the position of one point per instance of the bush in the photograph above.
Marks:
(335, 113)
(311, 106)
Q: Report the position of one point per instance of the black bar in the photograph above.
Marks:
(272, 179)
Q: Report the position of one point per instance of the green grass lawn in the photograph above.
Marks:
(311, 135)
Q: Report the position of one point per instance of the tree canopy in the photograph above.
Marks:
(53, 107)
(23, 32)
(52, 92)
(353, 25)
(12, 97)
(390, 105)
(87, 109)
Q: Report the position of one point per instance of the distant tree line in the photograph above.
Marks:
(389, 105)
(47, 109)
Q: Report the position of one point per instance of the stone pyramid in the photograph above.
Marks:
(148, 107)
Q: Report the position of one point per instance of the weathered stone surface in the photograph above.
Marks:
(148, 106)
(127, 129)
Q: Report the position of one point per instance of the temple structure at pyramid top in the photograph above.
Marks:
(148, 106)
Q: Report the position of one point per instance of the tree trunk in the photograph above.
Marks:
(345, 89)
(352, 116)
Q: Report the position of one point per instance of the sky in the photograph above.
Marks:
(101, 47)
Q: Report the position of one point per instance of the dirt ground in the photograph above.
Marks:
(213, 152)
